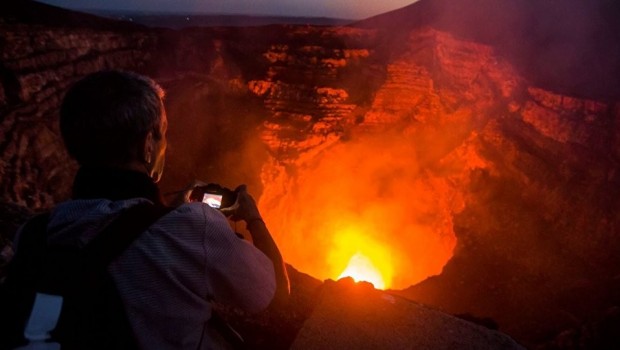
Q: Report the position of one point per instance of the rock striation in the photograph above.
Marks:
(312, 87)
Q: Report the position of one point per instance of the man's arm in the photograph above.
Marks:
(264, 242)
(248, 211)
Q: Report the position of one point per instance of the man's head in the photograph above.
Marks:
(114, 118)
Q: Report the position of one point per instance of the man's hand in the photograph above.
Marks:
(182, 196)
(245, 207)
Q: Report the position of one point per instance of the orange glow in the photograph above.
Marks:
(360, 268)
(356, 255)
(388, 198)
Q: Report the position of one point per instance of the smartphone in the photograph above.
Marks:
(213, 200)
(214, 195)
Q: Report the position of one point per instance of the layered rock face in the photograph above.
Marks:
(524, 178)
(431, 152)
(314, 85)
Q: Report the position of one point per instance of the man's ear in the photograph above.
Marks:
(149, 148)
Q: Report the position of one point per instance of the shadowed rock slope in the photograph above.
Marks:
(570, 46)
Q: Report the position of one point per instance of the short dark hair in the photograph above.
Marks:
(106, 116)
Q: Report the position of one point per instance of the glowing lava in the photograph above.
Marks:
(360, 268)
(354, 254)
(374, 196)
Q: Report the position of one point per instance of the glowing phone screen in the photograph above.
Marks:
(212, 200)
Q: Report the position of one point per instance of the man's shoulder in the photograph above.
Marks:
(84, 218)
(99, 206)
(196, 217)
(198, 211)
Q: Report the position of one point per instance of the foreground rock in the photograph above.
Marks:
(357, 316)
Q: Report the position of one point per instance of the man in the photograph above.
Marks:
(114, 124)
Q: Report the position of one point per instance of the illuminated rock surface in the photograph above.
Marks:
(357, 316)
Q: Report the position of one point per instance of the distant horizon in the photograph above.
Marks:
(328, 9)
(179, 13)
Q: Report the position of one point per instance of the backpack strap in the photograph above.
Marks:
(38, 267)
(117, 236)
(93, 315)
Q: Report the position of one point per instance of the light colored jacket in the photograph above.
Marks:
(169, 275)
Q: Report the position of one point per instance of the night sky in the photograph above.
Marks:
(346, 9)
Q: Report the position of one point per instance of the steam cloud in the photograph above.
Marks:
(386, 196)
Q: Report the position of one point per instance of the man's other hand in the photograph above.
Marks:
(245, 207)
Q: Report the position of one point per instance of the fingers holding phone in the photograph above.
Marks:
(246, 206)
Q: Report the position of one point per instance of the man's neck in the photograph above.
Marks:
(114, 183)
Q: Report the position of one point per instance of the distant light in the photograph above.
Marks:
(360, 268)
(187, 18)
